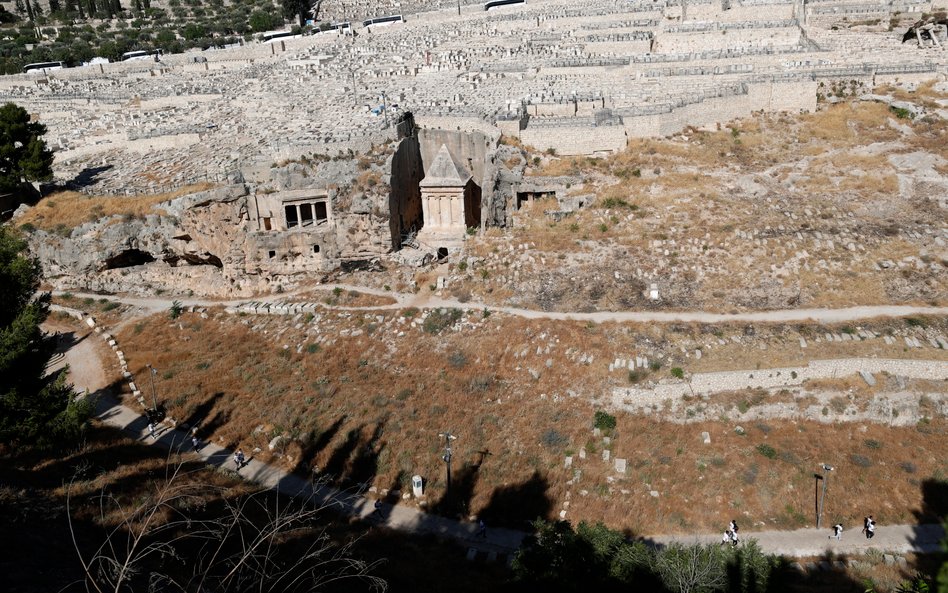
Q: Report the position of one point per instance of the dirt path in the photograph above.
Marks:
(79, 350)
(402, 300)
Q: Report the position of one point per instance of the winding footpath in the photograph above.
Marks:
(428, 300)
(87, 374)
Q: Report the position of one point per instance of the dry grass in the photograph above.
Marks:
(369, 407)
(345, 298)
(69, 209)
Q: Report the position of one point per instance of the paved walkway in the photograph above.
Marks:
(428, 300)
(86, 374)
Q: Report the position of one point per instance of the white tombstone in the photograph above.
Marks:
(417, 486)
(653, 292)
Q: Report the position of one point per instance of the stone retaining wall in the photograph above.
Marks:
(707, 383)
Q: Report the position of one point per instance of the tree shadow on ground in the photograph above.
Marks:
(931, 521)
(86, 177)
(313, 447)
(355, 460)
(202, 419)
(365, 465)
(457, 500)
(518, 505)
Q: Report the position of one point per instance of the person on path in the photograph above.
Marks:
(871, 529)
(837, 531)
(151, 429)
(726, 538)
(732, 526)
(481, 529)
(377, 513)
(734, 540)
(239, 459)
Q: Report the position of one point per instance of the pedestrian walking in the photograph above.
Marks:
(726, 538)
(871, 529)
(481, 529)
(734, 540)
(239, 459)
(377, 513)
(151, 429)
(837, 531)
(732, 526)
(195, 443)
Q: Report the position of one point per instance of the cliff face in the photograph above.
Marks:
(194, 243)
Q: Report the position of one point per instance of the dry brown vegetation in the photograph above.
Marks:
(814, 194)
(344, 297)
(69, 209)
(369, 408)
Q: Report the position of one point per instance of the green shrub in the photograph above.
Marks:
(604, 420)
(767, 451)
(678, 373)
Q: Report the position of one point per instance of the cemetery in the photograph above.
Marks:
(652, 261)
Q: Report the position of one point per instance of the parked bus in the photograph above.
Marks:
(383, 21)
(271, 36)
(141, 54)
(43, 66)
(491, 4)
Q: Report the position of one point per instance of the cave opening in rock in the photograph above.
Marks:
(128, 258)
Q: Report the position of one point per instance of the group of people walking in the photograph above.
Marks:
(730, 534)
(868, 528)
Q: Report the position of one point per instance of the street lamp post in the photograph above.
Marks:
(448, 437)
(825, 477)
(154, 396)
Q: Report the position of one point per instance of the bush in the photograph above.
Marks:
(439, 319)
(872, 444)
(604, 420)
(860, 460)
(554, 440)
(767, 451)
(678, 373)
(175, 310)
(457, 359)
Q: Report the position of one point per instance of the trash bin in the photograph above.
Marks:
(417, 486)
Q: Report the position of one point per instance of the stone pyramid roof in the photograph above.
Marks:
(444, 172)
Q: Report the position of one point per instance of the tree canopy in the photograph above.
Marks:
(36, 409)
(23, 153)
(297, 8)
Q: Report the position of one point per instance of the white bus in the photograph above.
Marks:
(271, 36)
(383, 21)
(43, 67)
(141, 54)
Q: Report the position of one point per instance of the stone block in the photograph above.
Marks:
(620, 465)
(706, 438)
